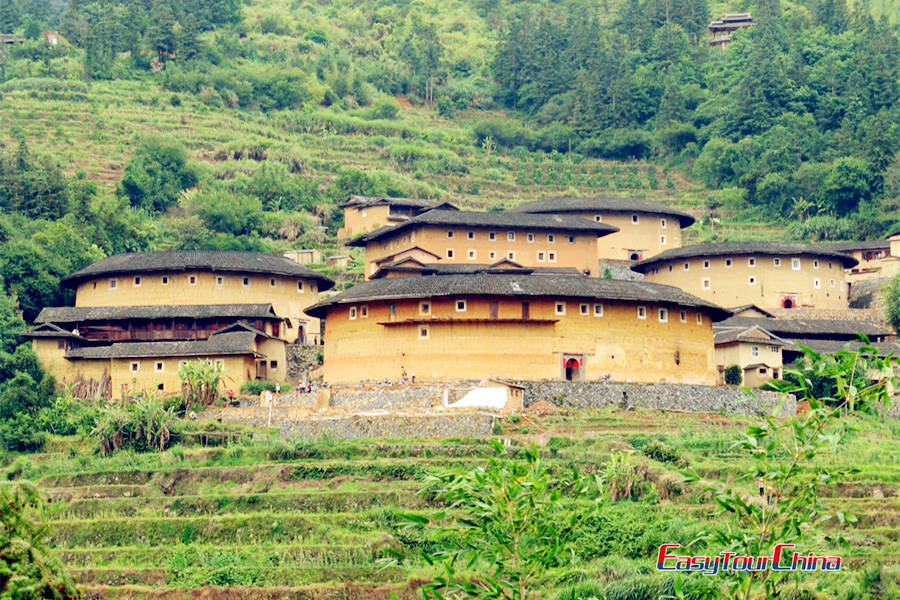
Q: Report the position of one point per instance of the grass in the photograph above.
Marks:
(319, 518)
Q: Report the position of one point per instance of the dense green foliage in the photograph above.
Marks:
(734, 375)
(27, 569)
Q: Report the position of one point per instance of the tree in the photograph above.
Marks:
(849, 181)
(892, 301)
(734, 375)
(507, 523)
(27, 567)
(157, 174)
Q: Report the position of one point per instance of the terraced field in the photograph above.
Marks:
(266, 518)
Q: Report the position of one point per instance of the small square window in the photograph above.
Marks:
(774, 349)
(353, 313)
(530, 237)
(670, 268)
(392, 309)
(472, 254)
(663, 315)
(583, 309)
(363, 311)
(832, 283)
(511, 255)
(571, 239)
(492, 236)
(220, 280)
(113, 284)
(273, 364)
(135, 367)
(540, 256)
(137, 282)
(598, 218)
(160, 387)
(424, 308)
(246, 281)
(682, 316)
(299, 286)
(551, 238)
(192, 279)
(662, 223)
(471, 235)
(777, 262)
(424, 332)
(551, 256)
(642, 312)
(795, 264)
(160, 366)
(460, 306)
(829, 265)
(272, 281)
(751, 280)
(449, 234)
(751, 262)
(165, 280)
(511, 236)
(705, 264)
(754, 350)
(560, 308)
(727, 262)
(449, 252)
(634, 219)
(706, 283)
(598, 310)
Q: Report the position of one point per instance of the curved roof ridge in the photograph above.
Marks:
(743, 248)
(202, 260)
(608, 203)
(515, 285)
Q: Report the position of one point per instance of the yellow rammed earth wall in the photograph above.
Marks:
(285, 295)
(650, 235)
(618, 343)
(818, 282)
(363, 220)
(480, 249)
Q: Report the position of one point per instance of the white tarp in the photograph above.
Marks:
(486, 397)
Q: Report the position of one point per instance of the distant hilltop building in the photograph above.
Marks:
(722, 30)
(457, 321)
(766, 274)
(645, 227)
(138, 316)
(363, 214)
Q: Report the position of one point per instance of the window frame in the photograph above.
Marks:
(642, 312)
(463, 303)
(598, 309)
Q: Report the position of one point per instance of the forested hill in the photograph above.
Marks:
(224, 124)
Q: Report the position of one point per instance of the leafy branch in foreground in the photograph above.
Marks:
(27, 569)
(506, 523)
(784, 471)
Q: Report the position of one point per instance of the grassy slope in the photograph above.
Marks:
(249, 515)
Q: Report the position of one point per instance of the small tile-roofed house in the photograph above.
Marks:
(722, 30)
(363, 214)
(756, 351)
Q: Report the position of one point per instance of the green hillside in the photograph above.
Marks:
(314, 519)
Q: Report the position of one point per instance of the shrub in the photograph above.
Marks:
(156, 175)
(662, 452)
(256, 386)
(445, 107)
(141, 424)
(200, 381)
(384, 108)
(734, 375)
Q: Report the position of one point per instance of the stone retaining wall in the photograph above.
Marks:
(391, 426)
(364, 397)
(656, 396)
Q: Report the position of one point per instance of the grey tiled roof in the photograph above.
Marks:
(799, 327)
(80, 314)
(600, 204)
(518, 286)
(362, 201)
(51, 331)
(864, 245)
(833, 346)
(200, 260)
(746, 248)
(462, 218)
(742, 334)
(229, 343)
